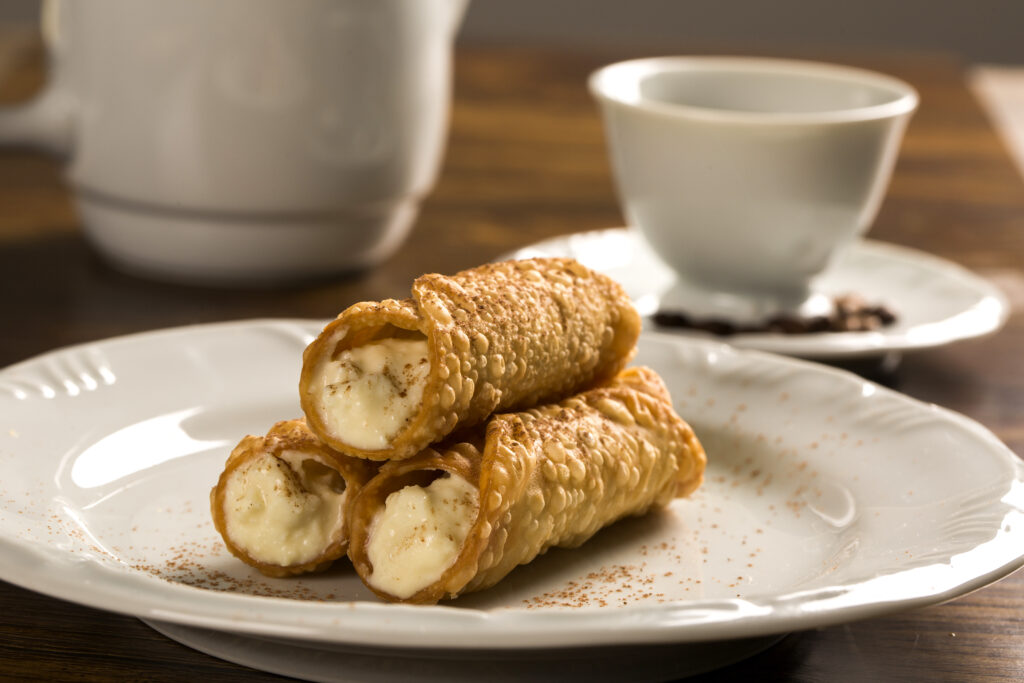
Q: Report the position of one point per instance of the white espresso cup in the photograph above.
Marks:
(748, 176)
(245, 141)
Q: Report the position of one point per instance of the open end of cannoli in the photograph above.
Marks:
(419, 532)
(371, 390)
(284, 510)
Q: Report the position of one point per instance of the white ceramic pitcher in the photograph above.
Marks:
(245, 141)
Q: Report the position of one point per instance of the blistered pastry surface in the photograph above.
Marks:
(500, 336)
(577, 466)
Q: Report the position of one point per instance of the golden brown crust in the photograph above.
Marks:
(549, 476)
(499, 337)
(290, 436)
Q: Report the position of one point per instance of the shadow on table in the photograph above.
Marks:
(62, 293)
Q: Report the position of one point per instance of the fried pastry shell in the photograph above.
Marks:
(500, 337)
(277, 489)
(549, 476)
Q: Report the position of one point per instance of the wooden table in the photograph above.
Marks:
(527, 161)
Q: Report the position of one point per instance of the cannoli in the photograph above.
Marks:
(282, 501)
(459, 517)
(386, 379)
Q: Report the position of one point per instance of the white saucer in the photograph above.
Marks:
(937, 302)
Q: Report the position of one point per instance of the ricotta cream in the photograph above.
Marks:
(284, 510)
(419, 534)
(371, 392)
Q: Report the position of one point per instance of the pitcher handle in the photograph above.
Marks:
(458, 14)
(46, 122)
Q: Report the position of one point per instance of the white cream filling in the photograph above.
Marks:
(370, 393)
(284, 511)
(419, 534)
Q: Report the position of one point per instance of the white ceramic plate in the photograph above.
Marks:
(827, 499)
(937, 302)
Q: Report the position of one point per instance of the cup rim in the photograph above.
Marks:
(617, 83)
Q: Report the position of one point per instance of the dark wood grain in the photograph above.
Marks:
(526, 161)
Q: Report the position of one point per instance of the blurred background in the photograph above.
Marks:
(984, 34)
(977, 30)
